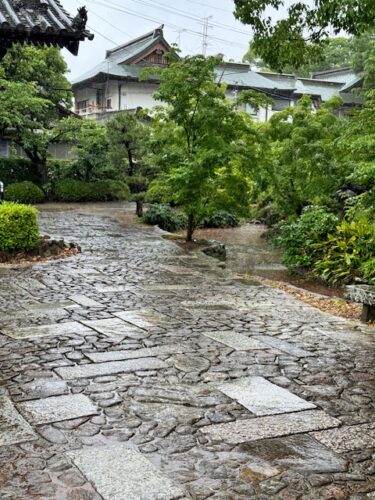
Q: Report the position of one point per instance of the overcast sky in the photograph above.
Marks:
(115, 22)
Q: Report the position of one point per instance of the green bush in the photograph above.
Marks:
(18, 170)
(18, 227)
(70, 190)
(221, 218)
(368, 270)
(24, 192)
(298, 239)
(346, 251)
(165, 217)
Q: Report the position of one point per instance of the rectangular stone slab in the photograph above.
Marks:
(236, 340)
(120, 473)
(262, 397)
(115, 326)
(110, 368)
(57, 408)
(13, 427)
(147, 352)
(242, 431)
(284, 346)
(56, 329)
(84, 301)
(144, 318)
(348, 438)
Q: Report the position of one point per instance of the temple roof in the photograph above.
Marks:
(41, 22)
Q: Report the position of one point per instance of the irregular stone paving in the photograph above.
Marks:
(138, 371)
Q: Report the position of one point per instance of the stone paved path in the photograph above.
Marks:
(136, 371)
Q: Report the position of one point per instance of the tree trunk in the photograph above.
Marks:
(139, 208)
(190, 228)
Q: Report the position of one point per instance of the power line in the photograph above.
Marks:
(105, 20)
(114, 6)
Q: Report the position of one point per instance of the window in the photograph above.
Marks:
(81, 105)
(109, 103)
(278, 104)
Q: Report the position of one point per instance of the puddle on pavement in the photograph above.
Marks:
(250, 254)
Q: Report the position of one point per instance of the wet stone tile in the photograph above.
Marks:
(68, 328)
(110, 368)
(84, 301)
(254, 429)
(262, 397)
(284, 346)
(13, 427)
(56, 409)
(348, 438)
(120, 473)
(300, 453)
(147, 352)
(144, 318)
(236, 340)
(44, 388)
(114, 326)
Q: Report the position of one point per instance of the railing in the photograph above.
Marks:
(92, 109)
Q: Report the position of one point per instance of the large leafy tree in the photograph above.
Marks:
(301, 34)
(301, 169)
(34, 96)
(198, 140)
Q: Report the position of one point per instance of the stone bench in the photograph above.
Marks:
(363, 294)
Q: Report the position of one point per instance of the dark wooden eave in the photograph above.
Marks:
(41, 22)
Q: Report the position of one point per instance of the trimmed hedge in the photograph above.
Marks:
(220, 219)
(18, 170)
(70, 190)
(18, 227)
(165, 217)
(24, 192)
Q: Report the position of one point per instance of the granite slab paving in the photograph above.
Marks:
(115, 326)
(57, 408)
(235, 340)
(348, 438)
(147, 352)
(13, 427)
(242, 431)
(110, 368)
(56, 329)
(144, 318)
(148, 361)
(120, 473)
(285, 346)
(262, 397)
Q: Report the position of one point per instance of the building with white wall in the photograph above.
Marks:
(115, 85)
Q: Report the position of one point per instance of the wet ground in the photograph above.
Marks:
(251, 254)
(139, 371)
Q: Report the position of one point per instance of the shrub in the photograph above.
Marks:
(368, 270)
(18, 170)
(165, 217)
(221, 218)
(299, 238)
(24, 192)
(70, 190)
(346, 253)
(18, 227)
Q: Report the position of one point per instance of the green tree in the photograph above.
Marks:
(32, 99)
(301, 169)
(198, 140)
(301, 34)
(128, 142)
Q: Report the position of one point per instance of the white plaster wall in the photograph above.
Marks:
(134, 95)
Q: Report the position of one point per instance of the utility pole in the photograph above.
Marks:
(205, 34)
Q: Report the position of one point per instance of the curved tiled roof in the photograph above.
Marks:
(40, 22)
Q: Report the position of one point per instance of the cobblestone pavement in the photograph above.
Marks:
(136, 371)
